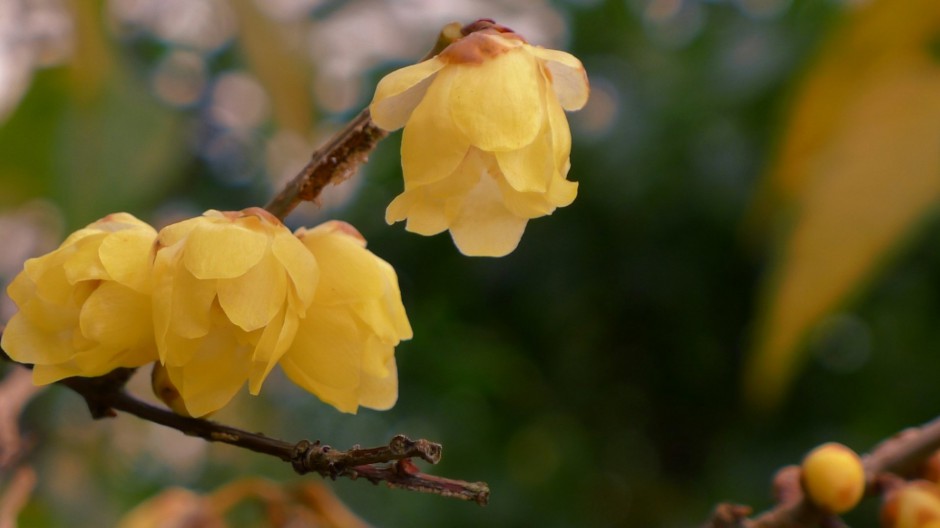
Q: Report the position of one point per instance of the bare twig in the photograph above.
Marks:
(902, 454)
(390, 463)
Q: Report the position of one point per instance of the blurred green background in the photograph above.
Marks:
(595, 376)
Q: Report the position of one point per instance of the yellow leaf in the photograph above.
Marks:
(858, 168)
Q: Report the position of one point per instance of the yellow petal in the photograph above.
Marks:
(561, 193)
(22, 288)
(399, 92)
(497, 103)
(484, 227)
(125, 256)
(300, 265)
(83, 262)
(530, 168)
(431, 208)
(253, 299)
(386, 317)
(432, 146)
(569, 79)
(223, 250)
(116, 316)
(274, 342)
(46, 374)
(325, 358)
(26, 344)
(42, 315)
(213, 375)
(380, 393)
(174, 233)
(348, 271)
(181, 302)
(561, 134)
(424, 217)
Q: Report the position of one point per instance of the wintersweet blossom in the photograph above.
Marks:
(229, 291)
(84, 309)
(344, 349)
(486, 142)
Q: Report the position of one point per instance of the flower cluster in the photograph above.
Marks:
(218, 300)
(84, 309)
(486, 143)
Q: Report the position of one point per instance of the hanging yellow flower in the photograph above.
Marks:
(229, 290)
(486, 143)
(344, 349)
(84, 309)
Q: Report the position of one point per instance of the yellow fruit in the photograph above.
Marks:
(833, 477)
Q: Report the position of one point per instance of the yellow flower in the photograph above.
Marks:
(84, 309)
(229, 290)
(344, 350)
(486, 143)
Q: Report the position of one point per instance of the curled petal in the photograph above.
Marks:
(275, 340)
(387, 317)
(399, 92)
(569, 79)
(432, 145)
(181, 302)
(325, 358)
(254, 298)
(430, 209)
(484, 226)
(82, 262)
(300, 265)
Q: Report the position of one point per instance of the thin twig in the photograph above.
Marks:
(390, 463)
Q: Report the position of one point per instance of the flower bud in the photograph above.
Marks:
(914, 505)
(84, 309)
(486, 143)
(833, 477)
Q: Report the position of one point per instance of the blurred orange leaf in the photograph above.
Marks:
(857, 170)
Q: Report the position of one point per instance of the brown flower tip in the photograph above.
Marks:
(477, 47)
(484, 23)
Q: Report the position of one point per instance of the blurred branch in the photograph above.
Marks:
(16, 495)
(390, 463)
(900, 455)
(16, 390)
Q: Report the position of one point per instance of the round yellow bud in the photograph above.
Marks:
(915, 505)
(833, 477)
